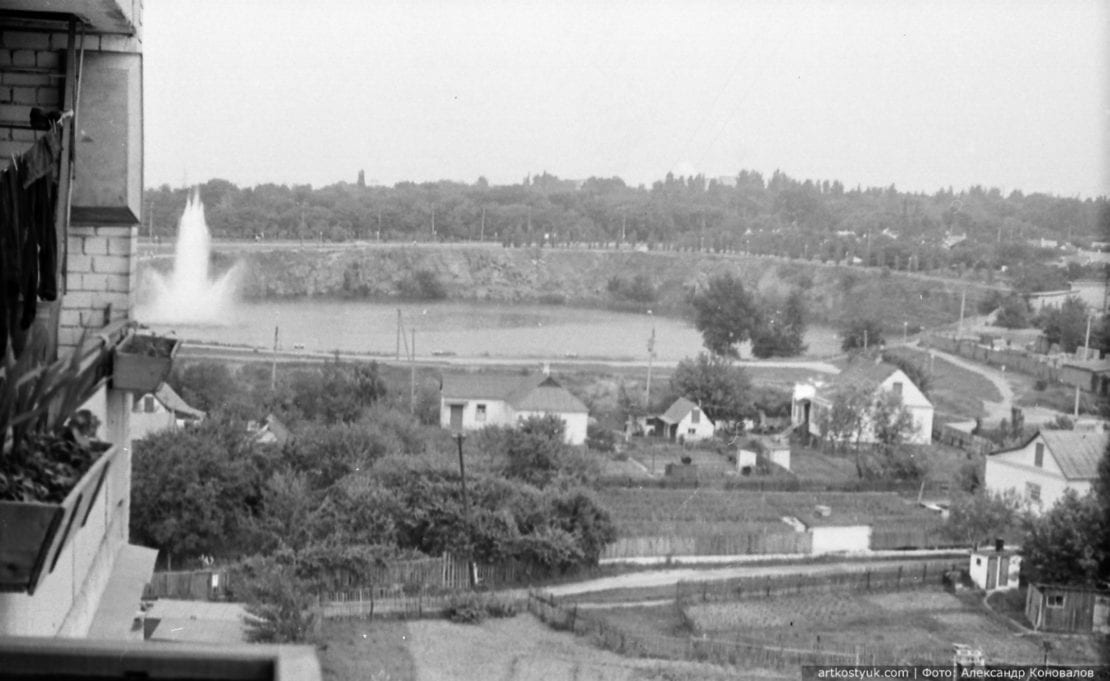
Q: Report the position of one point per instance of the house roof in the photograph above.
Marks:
(866, 375)
(174, 402)
(524, 392)
(1078, 453)
(678, 411)
(1097, 366)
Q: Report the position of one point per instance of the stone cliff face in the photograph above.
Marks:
(582, 277)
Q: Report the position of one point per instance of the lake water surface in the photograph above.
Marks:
(465, 329)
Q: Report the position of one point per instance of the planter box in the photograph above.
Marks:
(142, 362)
(33, 534)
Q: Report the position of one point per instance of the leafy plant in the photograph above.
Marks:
(45, 449)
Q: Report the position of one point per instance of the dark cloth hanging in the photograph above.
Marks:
(28, 240)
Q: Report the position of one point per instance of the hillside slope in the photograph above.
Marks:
(834, 293)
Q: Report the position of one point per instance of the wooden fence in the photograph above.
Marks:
(890, 578)
(917, 533)
(725, 653)
(746, 543)
(190, 585)
(1037, 366)
(954, 437)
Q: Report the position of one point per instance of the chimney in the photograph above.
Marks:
(999, 545)
(546, 368)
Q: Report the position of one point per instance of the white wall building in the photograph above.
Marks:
(160, 410)
(685, 421)
(813, 401)
(474, 401)
(1047, 465)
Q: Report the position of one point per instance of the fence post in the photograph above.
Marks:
(899, 582)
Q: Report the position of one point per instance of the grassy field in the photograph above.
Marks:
(917, 626)
(517, 649)
(367, 650)
(954, 391)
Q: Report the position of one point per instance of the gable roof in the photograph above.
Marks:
(679, 410)
(524, 392)
(1078, 453)
(863, 374)
(172, 401)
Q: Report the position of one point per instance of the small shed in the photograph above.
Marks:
(1068, 609)
(996, 569)
(1089, 375)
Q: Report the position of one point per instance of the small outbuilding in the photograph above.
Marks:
(995, 569)
(1068, 609)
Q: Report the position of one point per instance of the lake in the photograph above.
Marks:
(466, 329)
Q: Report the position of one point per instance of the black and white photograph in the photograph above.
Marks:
(509, 340)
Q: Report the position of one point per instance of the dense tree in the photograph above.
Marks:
(1062, 546)
(725, 314)
(861, 333)
(781, 332)
(723, 390)
(1065, 325)
(983, 516)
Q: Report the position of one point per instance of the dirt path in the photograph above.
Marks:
(995, 410)
(662, 578)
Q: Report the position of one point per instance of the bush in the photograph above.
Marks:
(472, 608)
(1040, 385)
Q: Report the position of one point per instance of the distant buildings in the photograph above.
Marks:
(683, 421)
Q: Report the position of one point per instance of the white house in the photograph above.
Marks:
(684, 421)
(812, 401)
(1049, 463)
(160, 410)
(474, 401)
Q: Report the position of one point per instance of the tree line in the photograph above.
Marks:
(778, 215)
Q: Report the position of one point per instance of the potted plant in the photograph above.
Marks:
(51, 467)
(142, 362)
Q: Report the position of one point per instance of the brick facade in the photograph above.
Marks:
(100, 264)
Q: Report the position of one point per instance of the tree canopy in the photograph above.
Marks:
(725, 314)
(723, 390)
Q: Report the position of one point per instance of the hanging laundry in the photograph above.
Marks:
(28, 240)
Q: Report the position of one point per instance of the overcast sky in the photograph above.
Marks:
(924, 95)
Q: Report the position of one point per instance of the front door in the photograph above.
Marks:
(456, 416)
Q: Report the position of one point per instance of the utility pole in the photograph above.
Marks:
(651, 356)
(482, 236)
(865, 339)
(398, 334)
(459, 437)
(273, 363)
(1087, 343)
(412, 375)
(963, 305)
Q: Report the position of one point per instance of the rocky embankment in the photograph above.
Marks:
(583, 277)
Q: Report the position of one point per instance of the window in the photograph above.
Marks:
(480, 413)
(1038, 455)
(1056, 601)
(695, 416)
(691, 431)
(898, 388)
(148, 404)
(978, 561)
(1033, 491)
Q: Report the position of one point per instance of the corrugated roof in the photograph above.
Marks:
(1078, 453)
(678, 411)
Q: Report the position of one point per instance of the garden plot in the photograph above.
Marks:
(916, 626)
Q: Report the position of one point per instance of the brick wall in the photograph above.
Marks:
(100, 266)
